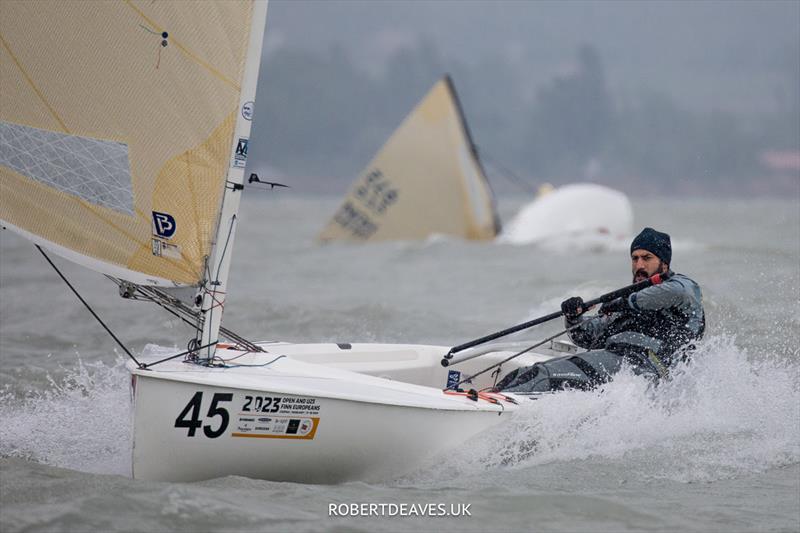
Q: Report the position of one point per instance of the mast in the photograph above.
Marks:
(215, 280)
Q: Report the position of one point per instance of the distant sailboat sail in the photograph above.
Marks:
(427, 179)
(117, 123)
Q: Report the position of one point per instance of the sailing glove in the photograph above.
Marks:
(618, 305)
(573, 307)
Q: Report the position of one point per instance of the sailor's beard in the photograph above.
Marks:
(641, 274)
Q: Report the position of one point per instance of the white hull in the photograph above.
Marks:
(583, 214)
(304, 417)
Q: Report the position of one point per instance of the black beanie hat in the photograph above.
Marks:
(654, 242)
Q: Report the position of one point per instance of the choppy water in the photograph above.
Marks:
(717, 448)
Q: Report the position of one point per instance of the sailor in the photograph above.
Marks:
(649, 330)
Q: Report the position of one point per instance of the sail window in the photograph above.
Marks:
(95, 170)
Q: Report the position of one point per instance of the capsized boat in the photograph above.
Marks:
(124, 132)
(427, 179)
(582, 214)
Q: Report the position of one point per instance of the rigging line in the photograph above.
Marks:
(146, 366)
(164, 307)
(225, 248)
(217, 302)
(509, 175)
(236, 365)
(215, 282)
(88, 306)
(179, 310)
(148, 29)
(529, 348)
(33, 86)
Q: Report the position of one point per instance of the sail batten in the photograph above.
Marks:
(116, 125)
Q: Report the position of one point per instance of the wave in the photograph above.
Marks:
(724, 414)
(82, 422)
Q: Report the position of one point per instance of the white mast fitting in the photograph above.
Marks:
(215, 280)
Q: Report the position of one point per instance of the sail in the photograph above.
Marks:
(117, 123)
(427, 179)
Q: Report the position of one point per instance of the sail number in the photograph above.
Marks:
(376, 192)
(190, 416)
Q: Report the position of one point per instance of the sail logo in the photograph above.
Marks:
(163, 225)
(240, 156)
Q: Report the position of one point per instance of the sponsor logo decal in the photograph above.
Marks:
(306, 425)
(165, 249)
(163, 225)
(247, 110)
(240, 157)
(453, 377)
(566, 375)
(292, 426)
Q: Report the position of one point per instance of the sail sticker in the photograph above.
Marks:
(240, 156)
(163, 225)
(165, 249)
(247, 110)
(95, 170)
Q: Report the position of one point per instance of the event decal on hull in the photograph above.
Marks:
(254, 416)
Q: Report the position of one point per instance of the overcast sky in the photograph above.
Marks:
(695, 50)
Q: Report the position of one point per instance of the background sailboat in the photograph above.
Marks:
(426, 179)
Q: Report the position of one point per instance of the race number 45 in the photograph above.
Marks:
(190, 416)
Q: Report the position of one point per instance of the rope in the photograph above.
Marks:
(119, 342)
(529, 348)
(189, 351)
(509, 175)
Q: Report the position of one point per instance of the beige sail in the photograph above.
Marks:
(425, 180)
(116, 127)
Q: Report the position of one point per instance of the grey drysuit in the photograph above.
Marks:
(657, 328)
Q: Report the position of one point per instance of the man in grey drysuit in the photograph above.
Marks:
(649, 330)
